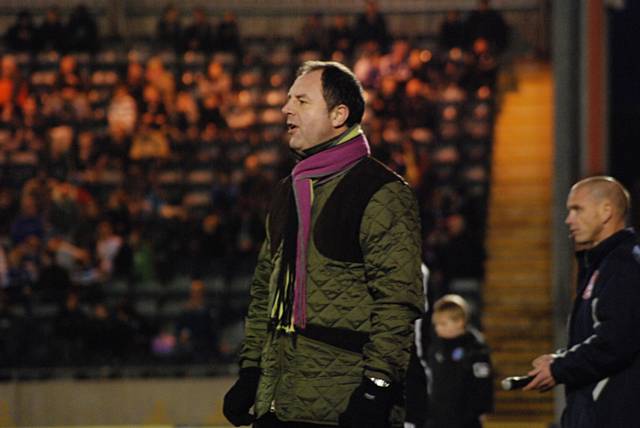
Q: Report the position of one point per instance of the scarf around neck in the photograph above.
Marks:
(289, 309)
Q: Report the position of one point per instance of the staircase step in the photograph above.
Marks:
(517, 300)
(497, 279)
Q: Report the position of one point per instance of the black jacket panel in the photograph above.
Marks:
(601, 369)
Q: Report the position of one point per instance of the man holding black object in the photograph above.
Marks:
(338, 283)
(601, 367)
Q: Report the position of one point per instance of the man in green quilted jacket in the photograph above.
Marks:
(338, 281)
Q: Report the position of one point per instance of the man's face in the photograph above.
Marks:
(308, 119)
(446, 326)
(585, 217)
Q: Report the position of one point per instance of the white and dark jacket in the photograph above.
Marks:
(601, 366)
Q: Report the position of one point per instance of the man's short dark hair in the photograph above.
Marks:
(339, 86)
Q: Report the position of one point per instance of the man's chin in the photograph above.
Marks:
(295, 145)
(581, 244)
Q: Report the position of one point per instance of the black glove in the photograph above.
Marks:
(369, 407)
(241, 397)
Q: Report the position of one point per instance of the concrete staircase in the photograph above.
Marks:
(517, 315)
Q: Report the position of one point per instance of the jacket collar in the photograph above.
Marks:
(594, 256)
(347, 135)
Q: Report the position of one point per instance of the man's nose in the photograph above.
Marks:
(285, 108)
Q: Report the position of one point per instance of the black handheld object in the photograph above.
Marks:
(515, 382)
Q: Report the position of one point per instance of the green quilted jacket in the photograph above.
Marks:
(364, 290)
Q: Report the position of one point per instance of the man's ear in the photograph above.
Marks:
(339, 115)
(606, 211)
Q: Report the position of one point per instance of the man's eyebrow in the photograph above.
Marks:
(297, 96)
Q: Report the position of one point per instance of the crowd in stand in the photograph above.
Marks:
(128, 166)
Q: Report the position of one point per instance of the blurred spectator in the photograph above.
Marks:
(13, 89)
(58, 159)
(8, 209)
(129, 334)
(153, 113)
(169, 29)
(142, 270)
(371, 26)
(340, 37)
(82, 31)
(38, 188)
(134, 81)
(54, 281)
(211, 113)
(367, 66)
(108, 245)
(33, 121)
(122, 111)
(116, 209)
(11, 335)
(417, 109)
(487, 23)
(161, 79)
(216, 82)
(4, 270)
(28, 222)
(23, 268)
(87, 154)
(485, 70)
(186, 112)
(452, 31)
(197, 326)
(312, 36)
(247, 231)
(54, 108)
(116, 148)
(149, 144)
(64, 212)
(52, 32)
(67, 256)
(198, 36)
(22, 36)
(70, 329)
(395, 63)
(100, 335)
(10, 116)
(209, 246)
(455, 66)
(462, 254)
(68, 75)
(163, 344)
(228, 35)
(388, 103)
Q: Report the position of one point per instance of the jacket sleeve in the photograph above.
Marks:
(390, 239)
(257, 319)
(616, 339)
(482, 382)
(416, 387)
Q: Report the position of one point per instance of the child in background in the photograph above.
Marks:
(458, 371)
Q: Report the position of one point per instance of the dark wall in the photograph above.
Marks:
(624, 107)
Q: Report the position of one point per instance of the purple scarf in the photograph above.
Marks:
(323, 164)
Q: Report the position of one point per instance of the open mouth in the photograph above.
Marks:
(291, 127)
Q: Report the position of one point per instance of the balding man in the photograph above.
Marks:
(601, 366)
